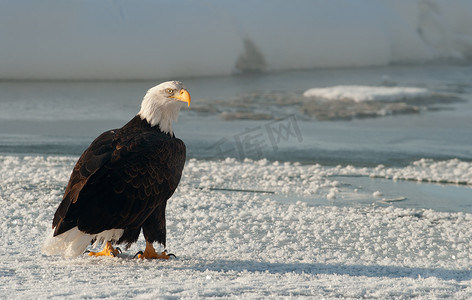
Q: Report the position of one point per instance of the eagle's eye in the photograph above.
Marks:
(170, 91)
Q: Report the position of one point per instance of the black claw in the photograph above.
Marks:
(86, 251)
(140, 252)
(170, 254)
(118, 249)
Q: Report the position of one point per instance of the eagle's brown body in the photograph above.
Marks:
(123, 181)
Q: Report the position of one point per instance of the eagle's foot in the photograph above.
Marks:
(108, 250)
(150, 253)
(155, 255)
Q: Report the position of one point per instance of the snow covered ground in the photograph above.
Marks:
(161, 39)
(424, 170)
(233, 239)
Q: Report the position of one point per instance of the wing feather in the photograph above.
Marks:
(120, 185)
(95, 156)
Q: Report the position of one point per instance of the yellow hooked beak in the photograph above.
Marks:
(183, 96)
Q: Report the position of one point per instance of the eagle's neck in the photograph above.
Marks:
(139, 125)
(160, 112)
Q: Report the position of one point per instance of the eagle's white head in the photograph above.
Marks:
(161, 104)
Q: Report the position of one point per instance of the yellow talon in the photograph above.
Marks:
(108, 250)
(150, 253)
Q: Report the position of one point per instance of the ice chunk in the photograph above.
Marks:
(358, 93)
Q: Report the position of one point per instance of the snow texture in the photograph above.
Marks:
(424, 170)
(165, 39)
(234, 240)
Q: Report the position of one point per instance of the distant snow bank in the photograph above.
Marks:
(367, 93)
(452, 171)
(165, 39)
(427, 170)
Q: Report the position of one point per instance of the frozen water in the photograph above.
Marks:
(356, 101)
(368, 93)
(425, 170)
(240, 244)
(377, 207)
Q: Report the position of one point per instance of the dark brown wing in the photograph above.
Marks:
(137, 176)
(93, 158)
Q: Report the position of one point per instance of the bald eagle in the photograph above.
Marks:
(121, 183)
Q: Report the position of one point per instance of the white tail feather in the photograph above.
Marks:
(73, 242)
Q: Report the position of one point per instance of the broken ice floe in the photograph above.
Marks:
(329, 103)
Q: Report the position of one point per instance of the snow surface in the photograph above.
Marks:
(164, 39)
(424, 170)
(358, 93)
(232, 239)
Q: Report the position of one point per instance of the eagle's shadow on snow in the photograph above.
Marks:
(335, 269)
